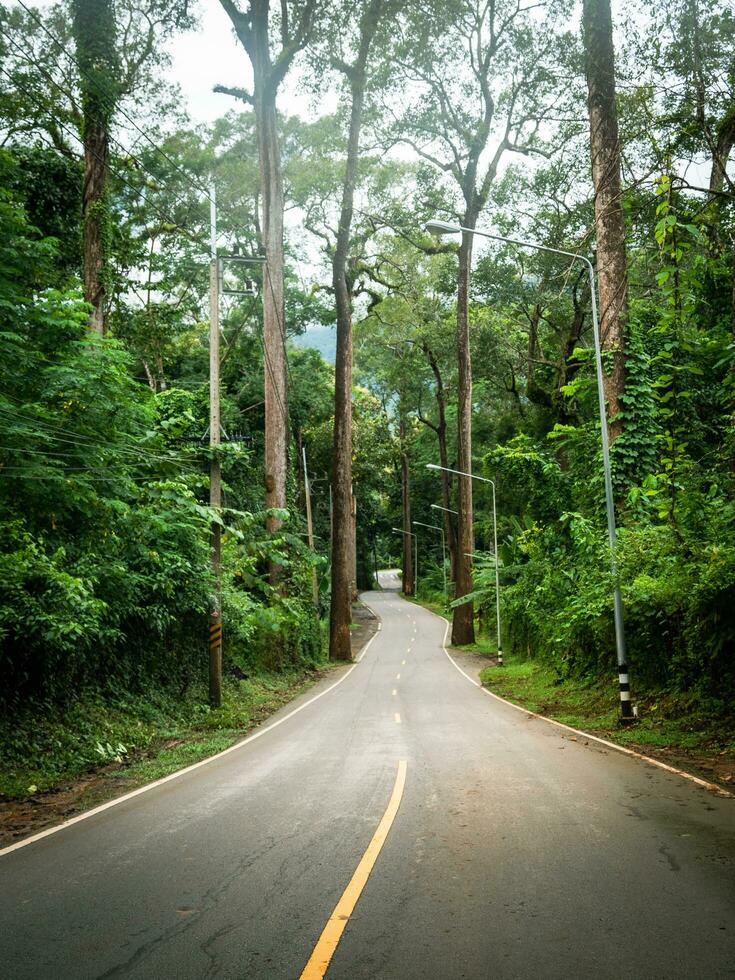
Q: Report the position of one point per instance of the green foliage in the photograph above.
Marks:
(104, 546)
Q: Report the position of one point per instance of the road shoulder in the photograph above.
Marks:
(37, 812)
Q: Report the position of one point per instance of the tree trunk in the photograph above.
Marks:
(343, 522)
(274, 315)
(407, 569)
(463, 627)
(340, 613)
(609, 222)
(270, 61)
(94, 34)
(534, 392)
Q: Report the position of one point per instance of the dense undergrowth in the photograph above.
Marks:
(140, 738)
(105, 577)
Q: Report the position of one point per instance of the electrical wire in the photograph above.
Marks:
(193, 183)
(269, 368)
(125, 150)
(70, 438)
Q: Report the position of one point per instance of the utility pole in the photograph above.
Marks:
(310, 527)
(215, 474)
(353, 546)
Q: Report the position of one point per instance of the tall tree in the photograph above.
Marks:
(408, 572)
(271, 49)
(98, 66)
(343, 278)
(609, 221)
(468, 115)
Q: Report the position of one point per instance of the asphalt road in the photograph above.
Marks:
(515, 851)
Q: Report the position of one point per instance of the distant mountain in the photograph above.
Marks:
(323, 339)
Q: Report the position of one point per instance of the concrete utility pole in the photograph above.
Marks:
(215, 474)
(310, 527)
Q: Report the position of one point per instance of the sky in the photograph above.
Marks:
(207, 57)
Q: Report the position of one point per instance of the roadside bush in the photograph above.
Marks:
(677, 596)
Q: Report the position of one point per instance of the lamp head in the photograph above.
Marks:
(441, 228)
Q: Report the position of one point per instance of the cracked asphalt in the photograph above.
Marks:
(515, 853)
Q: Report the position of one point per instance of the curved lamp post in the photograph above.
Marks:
(435, 527)
(445, 228)
(447, 509)
(400, 530)
(484, 479)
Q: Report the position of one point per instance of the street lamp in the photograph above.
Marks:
(447, 509)
(484, 479)
(436, 527)
(400, 530)
(443, 228)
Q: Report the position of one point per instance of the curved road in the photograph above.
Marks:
(515, 852)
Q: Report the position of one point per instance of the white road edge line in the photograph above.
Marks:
(196, 765)
(712, 787)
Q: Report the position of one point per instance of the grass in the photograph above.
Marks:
(667, 719)
(435, 605)
(139, 738)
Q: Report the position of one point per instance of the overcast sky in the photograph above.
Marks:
(208, 57)
(211, 56)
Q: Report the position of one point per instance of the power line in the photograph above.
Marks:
(77, 476)
(269, 368)
(118, 107)
(70, 132)
(87, 442)
(193, 183)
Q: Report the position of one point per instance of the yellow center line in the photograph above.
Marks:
(329, 940)
(398, 677)
(398, 719)
(394, 692)
(403, 663)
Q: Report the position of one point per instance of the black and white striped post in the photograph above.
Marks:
(627, 711)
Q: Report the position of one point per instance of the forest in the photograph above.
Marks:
(146, 507)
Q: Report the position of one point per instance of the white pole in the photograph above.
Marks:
(497, 579)
(442, 227)
(215, 475)
(483, 479)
